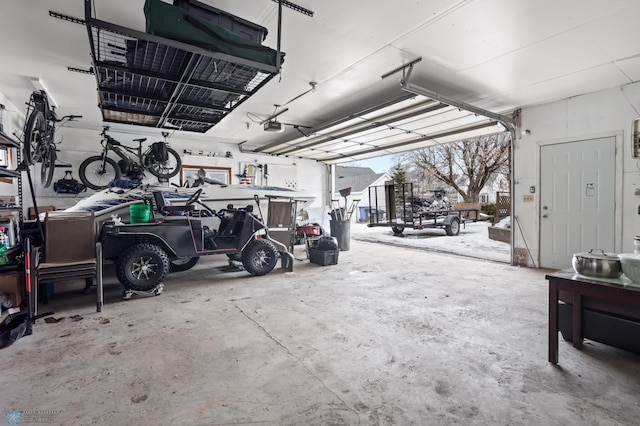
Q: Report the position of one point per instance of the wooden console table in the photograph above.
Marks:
(620, 291)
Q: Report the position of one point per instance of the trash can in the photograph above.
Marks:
(377, 216)
(364, 213)
(341, 230)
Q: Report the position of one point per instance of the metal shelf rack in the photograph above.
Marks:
(9, 142)
(153, 81)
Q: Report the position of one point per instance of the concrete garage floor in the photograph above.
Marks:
(389, 336)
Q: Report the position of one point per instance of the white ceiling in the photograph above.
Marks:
(498, 55)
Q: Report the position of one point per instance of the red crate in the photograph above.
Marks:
(309, 230)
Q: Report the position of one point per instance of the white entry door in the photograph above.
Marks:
(577, 199)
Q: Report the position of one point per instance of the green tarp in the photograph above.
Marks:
(176, 23)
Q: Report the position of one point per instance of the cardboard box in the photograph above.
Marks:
(13, 283)
(41, 209)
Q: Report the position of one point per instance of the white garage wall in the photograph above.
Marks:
(606, 113)
(78, 144)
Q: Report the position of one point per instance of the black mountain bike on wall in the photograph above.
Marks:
(39, 132)
(159, 159)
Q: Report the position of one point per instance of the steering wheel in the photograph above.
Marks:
(194, 197)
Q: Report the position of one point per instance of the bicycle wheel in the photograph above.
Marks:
(35, 139)
(165, 169)
(96, 174)
(47, 166)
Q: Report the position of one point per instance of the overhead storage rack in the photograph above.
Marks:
(153, 81)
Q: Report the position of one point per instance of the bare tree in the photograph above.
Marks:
(466, 166)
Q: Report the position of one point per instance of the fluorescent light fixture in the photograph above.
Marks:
(39, 85)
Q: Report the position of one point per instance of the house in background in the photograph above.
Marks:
(488, 195)
(490, 191)
(423, 186)
(359, 179)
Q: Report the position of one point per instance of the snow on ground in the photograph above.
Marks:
(504, 223)
(473, 240)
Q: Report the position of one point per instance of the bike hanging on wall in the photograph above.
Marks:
(39, 132)
(159, 159)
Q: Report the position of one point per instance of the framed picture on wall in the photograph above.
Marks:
(189, 174)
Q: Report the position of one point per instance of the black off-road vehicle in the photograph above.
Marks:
(145, 253)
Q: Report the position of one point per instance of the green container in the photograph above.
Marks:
(139, 213)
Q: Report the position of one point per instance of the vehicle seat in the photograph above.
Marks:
(162, 208)
(231, 226)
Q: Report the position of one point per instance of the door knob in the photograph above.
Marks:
(545, 207)
(545, 215)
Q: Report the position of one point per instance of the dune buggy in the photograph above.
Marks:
(145, 253)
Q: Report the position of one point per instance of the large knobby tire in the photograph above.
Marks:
(453, 228)
(166, 169)
(47, 166)
(142, 267)
(35, 137)
(183, 264)
(97, 176)
(397, 230)
(259, 257)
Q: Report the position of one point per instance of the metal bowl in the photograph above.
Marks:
(631, 266)
(597, 264)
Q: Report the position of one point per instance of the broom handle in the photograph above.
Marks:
(27, 275)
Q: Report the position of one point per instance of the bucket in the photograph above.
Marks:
(139, 213)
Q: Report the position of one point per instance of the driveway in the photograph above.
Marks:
(473, 240)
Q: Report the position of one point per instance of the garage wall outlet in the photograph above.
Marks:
(527, 198)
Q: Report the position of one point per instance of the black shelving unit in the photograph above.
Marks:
(6, 140)
(35, 230)
(25, 236)
(9, 142)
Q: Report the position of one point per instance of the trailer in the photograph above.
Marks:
(397, 207)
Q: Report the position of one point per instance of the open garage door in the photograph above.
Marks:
(417, 119)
